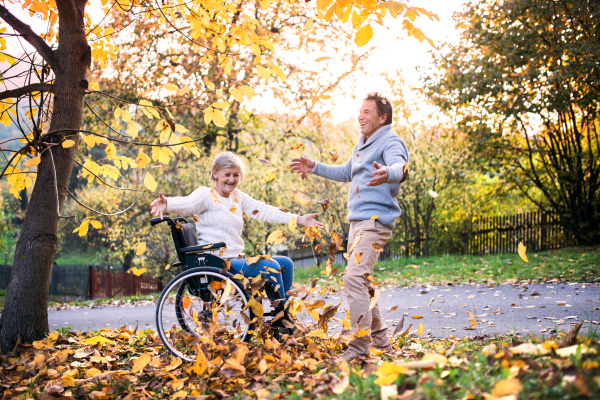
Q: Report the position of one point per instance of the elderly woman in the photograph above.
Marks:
(222, 219)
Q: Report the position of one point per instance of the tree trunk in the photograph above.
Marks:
(25, 315)
(128, 260)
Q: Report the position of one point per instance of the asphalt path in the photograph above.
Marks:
(521, 309)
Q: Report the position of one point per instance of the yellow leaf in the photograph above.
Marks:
(125, 116)
(258, 309)
(232, 209)
(237, 95)
(170, 87)
(324, 96)
(309, 25)
(507, 387)
(388, 373)
(264, 4)
(214, 196)
(377, 246)
(96, 224)
(83, 228)
(374, 300)
(90, 140)
(208, 115)
(301, 198)
(132, 130)
(210, 85)
(262, 72)
(201, 363)
(438, 358)
(97, 339)
(141, 362)
(363, 35)
(137, 271)
(247, 91)
(374, 217)
(93, 86)
(276, 237)
(149, 182)
(219, 118)
(522, 249)
(417, 316)
(297, 145)
(68, 143)
(316, 333)
(420, 329)
(363, 332)
(358, 258)
(226, 291)
(269, 174)
(292, 223)
(412, 266)
(33, 162)
(140, 249)
(181, 129)
(220, 104)
(473, 323)
(322, 59)
(142, 160)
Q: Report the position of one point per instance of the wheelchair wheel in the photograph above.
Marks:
(189, 303)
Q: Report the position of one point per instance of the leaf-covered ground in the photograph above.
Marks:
(129, 364)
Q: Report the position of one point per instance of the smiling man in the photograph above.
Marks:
(376, 170)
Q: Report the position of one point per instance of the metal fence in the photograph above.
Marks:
(87, 282)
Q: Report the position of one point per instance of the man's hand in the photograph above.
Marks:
(302, 165)
(379, 175)
(158, 206)
(308, 220)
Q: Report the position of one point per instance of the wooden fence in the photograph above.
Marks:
(88, 282)
(107, 283)
(537, 230)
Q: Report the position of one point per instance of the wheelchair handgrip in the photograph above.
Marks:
(155, 221)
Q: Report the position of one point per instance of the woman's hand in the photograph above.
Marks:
(158, 206)
(308, 220)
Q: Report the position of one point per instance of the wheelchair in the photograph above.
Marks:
(205, 299)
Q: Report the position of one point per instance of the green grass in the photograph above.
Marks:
(579, 264)
(78, 258)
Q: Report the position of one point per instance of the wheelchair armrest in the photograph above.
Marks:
(201, 249)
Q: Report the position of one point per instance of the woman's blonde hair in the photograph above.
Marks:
(226, 159)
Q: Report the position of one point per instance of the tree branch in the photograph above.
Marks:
(28, 34)
(34, 87)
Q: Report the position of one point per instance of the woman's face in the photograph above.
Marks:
(227, 180)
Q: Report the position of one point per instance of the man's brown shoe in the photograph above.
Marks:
(348, 356)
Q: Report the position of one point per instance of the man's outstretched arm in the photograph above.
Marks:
(340, 173)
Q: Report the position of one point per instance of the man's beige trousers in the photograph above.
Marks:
(362, 236)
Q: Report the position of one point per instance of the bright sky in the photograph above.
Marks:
(405, 54)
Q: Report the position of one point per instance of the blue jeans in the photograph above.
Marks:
(284, 277)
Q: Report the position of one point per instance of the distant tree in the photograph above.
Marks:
(524, 84)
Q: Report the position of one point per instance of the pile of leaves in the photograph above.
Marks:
(127, 364)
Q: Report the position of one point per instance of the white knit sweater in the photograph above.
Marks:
(224, 221)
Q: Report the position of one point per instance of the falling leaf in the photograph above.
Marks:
(32, 162)
(431, 301)
(201, 363)
(170, 87)
(432, 194)
(334, 156)
(377, 246)
(322, 58)
(269, 174)
(374, 300)
(324, 203)
(214, 196)
(420, 329)
(358, 257)
(68, 143)
(297, 145)
(292, 223)
(276, 237)
(363, 332)
(137, 271)
(522, 250)
(301, 198)
(473, 323)
(186, 302)
(226, 291)
(417, 316)
(140, 249)
(266, 162)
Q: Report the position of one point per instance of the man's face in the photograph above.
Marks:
(368, 119)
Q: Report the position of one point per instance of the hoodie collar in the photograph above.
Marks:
(378, 133)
